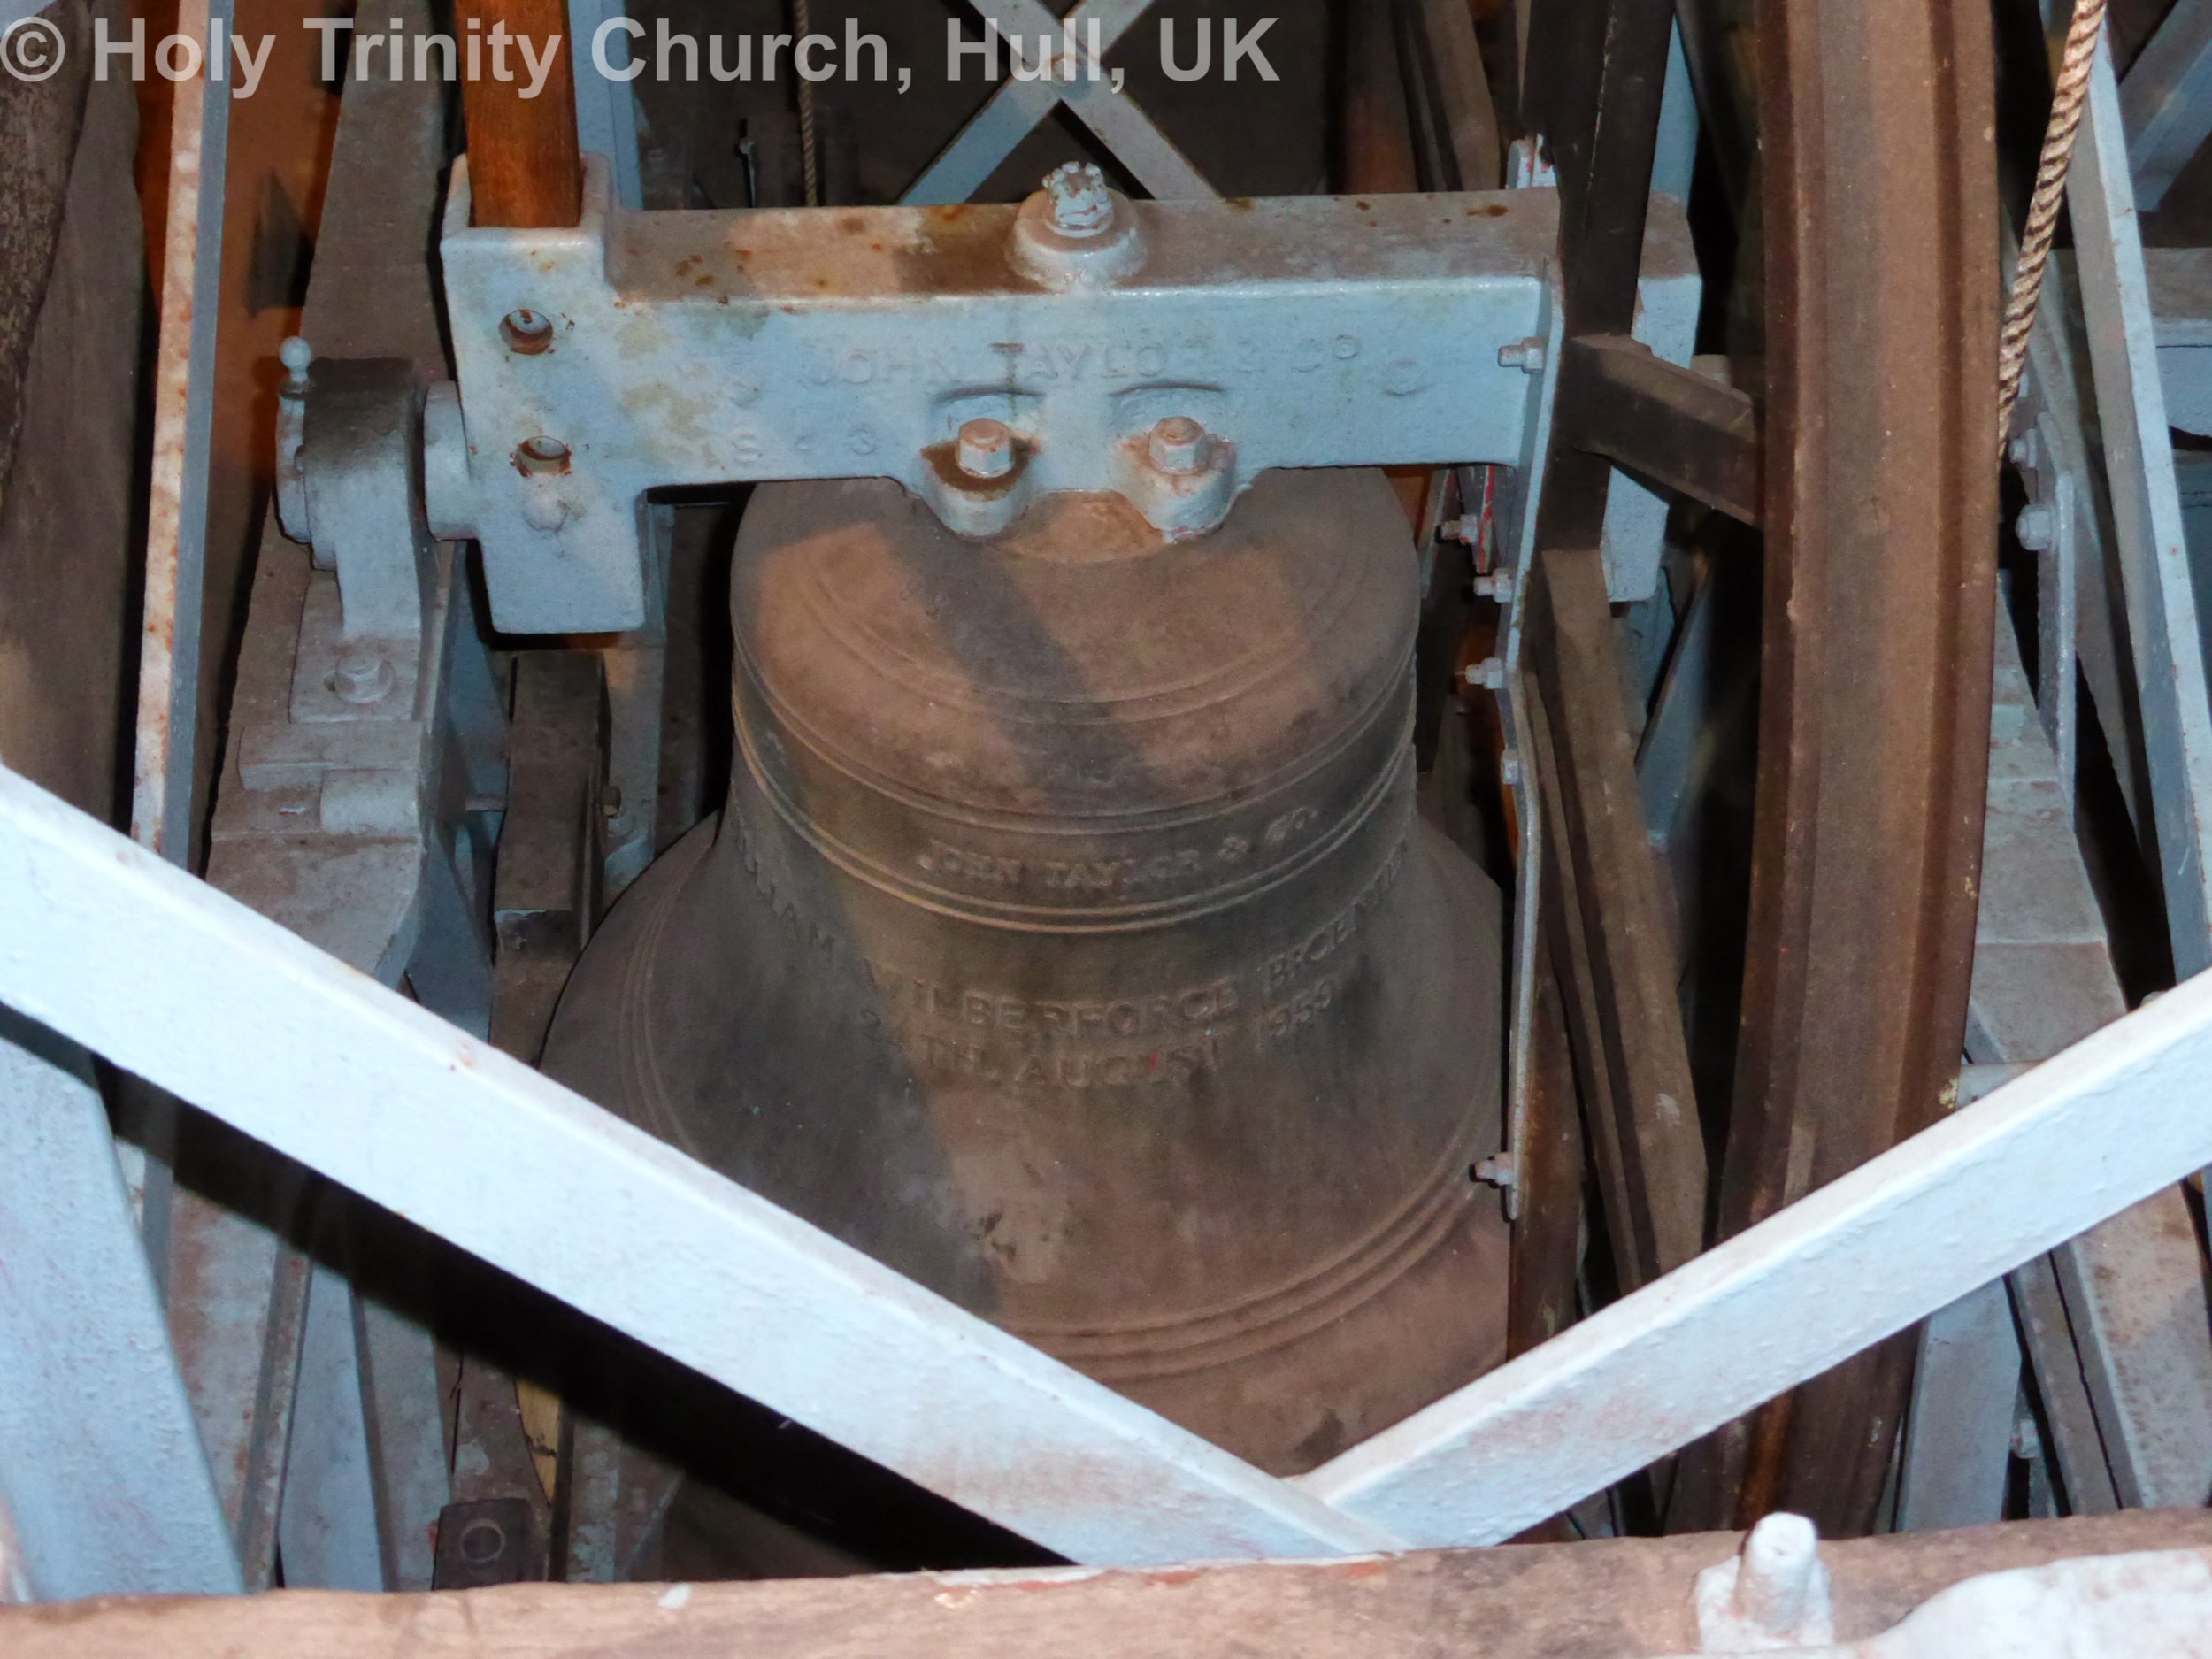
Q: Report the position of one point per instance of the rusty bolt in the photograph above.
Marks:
(540, 457)
(364, 676)
(1177, 446)
(527, 333)
(985, 448)
(1525, 354)
(297, 356)
(1081, 203)
(2037, 527)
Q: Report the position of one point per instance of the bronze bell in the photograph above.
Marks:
(1070, 943)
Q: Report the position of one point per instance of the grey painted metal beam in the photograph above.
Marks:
(2102, 1126)
(2135, 1322)
(1958, 1434)
(606, 106)
(1078, 79)
(328, 1522)
(2166, 101)
(2160, 603)
(226, 1009)
(101, 1466)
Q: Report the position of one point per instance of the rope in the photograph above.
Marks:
(809, 159)
(2068, 96)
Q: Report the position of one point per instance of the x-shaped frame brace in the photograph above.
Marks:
(1077, 77)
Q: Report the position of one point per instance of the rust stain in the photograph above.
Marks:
(1367, 1567)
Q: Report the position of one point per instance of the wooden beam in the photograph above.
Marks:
(1622, 1599)
(1549, 1165)
(525, 171)
(1609, 929)
(1668, 423)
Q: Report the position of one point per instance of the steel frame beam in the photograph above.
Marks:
(606, 105)
(2159, 602)
(2166, 100)
(100, 1458)
(169, 979)
(1076, 76)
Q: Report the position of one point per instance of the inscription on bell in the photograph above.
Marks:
(1140, 1014)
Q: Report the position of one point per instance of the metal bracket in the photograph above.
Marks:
(643, 350)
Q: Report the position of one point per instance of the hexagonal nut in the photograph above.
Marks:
(985, 448)
(1179, 446)
(1081, 203)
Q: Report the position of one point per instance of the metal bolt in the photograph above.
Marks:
(1081, 203)
(985, 448)
(1503, 1171)
(1776, 1583)
(363, 676)
(540, 457)
(1525, 354)
(527, 333)
(1510, 768)
(1467, 529)
(1489, 674)
(483, 1541)
(1179, 446)
(297, 356)
(544, 512)
(2037, 527)
(2022, 449)
(1498, 586)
